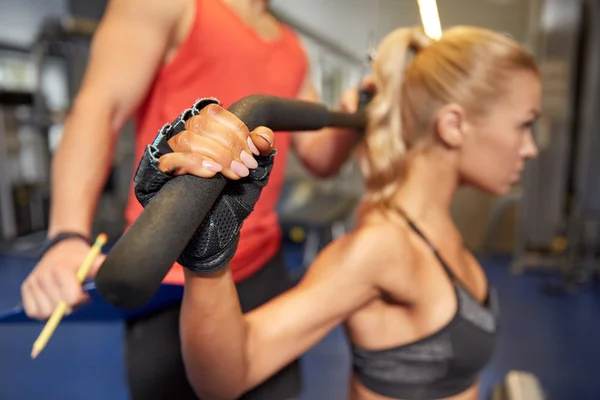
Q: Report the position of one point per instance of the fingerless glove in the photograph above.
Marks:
(215, 242)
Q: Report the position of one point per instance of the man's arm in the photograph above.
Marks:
(127, 48)
(126, 51)
(324, 152)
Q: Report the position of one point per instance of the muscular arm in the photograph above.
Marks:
(323, 152)
(126, 50)
(227, 353)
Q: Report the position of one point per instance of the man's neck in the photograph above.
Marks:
(256, 14)
(253, 7)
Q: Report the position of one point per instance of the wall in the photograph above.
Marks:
(357, 24)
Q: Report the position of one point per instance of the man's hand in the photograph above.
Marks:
(54, 279)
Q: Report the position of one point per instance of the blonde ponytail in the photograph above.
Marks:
(384, 145)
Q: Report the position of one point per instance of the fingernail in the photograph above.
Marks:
(211, 166)
(253, 147)
(266, 137)
(240, 169)
(248, 160)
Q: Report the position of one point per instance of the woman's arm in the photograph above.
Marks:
(227, 353)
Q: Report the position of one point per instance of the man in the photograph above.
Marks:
(151, 59)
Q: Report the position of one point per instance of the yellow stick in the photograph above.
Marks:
(61, 309)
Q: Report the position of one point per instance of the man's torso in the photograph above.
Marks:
(222, 55)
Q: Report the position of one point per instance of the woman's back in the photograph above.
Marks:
(406, 340)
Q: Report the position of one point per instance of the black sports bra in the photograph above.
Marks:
(441, 365)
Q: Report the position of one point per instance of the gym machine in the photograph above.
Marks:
(558, 203)
(518, 385)
(583, 225)
(24, 205)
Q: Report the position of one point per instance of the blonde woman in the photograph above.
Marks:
(417, 307)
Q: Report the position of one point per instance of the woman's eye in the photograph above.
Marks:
(528, 125)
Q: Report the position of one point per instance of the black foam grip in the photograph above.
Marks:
(141, 258)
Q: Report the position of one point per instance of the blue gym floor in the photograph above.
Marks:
(554, 337)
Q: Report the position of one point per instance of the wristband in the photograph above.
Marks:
(61, 236)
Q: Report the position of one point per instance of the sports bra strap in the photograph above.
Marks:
(414, 227)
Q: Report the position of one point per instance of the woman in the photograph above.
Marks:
(416, 305)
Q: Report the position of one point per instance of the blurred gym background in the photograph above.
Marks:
(539, 244)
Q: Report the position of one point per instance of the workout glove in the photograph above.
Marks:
(215, 242)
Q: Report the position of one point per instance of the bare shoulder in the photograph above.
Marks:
(163, 13)
(392, 253)
(377, 245)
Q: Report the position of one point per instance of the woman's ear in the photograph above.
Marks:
(450, 125)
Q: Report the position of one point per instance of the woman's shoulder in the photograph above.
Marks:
(383, 228)
(377, 240)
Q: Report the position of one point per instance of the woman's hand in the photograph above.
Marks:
(357, 97)
(203, 141)
(216, 141)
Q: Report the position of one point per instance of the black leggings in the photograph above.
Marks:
(153, 354)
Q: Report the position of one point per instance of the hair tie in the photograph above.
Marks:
(419, 40)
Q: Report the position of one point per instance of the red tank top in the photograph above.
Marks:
(223, 57)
